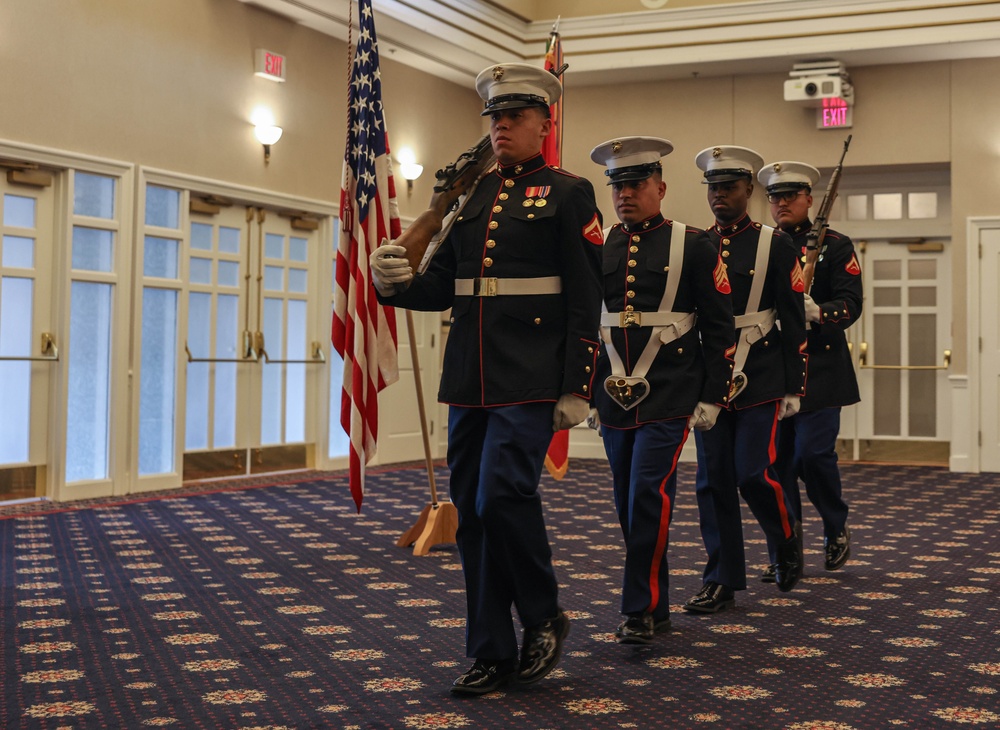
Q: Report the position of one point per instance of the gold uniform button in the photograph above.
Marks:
(630, 294)
(451, 319)
(530, 216)
(804, 259)
(494, 225)
(726, 241)
(585, 389)
(587, 369)
(541, 203)
(528, 203)
(629, 308)
(491, 243)
(725, 254)
(635, 239)
(518, 169)
(460, 217)
(633, 249)
(630, 279)
(680, 350)
(666, 268)
(487, 262)
(497, 208)
(751, 272)
(538, 320)
(836, 314)
(632, 263)
(508, 183)
(827, 347)
(503, 196)
(645, 224)
(590, 349)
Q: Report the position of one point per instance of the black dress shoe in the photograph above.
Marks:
(788, 569)
(712, 598)
(768, 575)
(542, 648)
(485, 677)
(838, 550)
(640, 629)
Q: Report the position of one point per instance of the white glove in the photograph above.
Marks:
(812, 309)
(789, 407)
(569, 411)
(594, 421)
(704, 416)
(389, 267)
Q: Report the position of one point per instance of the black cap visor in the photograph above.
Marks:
(513, 101)
(632, 172)
(718, 176)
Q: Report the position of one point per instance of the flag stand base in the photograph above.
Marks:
(436, 525)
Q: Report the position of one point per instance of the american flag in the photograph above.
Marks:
(364, 333)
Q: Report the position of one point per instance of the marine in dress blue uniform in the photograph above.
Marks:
(807, 442)
(736, 457)
(668, 338)
(520, 271)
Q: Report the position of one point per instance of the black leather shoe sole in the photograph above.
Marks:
(488, 683)
(711, 607)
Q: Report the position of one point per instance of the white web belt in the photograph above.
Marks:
(753, 325)
(629, 390)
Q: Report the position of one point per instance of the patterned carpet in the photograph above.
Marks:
(280, 607)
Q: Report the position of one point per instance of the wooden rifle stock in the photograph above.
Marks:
(453, 182)
(814, 239)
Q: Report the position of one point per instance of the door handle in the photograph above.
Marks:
(863, 362)
(50, 352)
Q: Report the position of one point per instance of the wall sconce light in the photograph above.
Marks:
(267, 135)
(408, 167)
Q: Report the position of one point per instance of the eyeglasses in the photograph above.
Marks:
(786, 197)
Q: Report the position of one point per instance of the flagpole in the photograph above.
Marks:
(438, 521)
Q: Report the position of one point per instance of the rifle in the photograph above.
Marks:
(455, 180)
(814, 239)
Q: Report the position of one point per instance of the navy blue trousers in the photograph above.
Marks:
(807, 450)
(644, 465)
(736, 458)
(496, 457)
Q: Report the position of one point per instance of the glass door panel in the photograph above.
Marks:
(26, 325)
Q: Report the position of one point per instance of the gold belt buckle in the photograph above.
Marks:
(484, 286)
(630, 319)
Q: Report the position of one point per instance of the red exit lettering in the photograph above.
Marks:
(835, 117)
(272, 64)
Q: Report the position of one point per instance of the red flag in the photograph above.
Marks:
(364, 332)
(557, 457)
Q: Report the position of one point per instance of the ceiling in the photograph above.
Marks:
(455, 39)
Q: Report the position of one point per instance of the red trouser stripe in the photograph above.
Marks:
(661, 537)
(779, 493)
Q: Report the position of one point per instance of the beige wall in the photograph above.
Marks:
(169, 84)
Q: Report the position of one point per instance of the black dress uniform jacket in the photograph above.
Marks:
(776, 363)
(695, 367)
(509, 349)
(837, 289)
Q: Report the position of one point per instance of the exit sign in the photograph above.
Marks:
(269, 65)
(834, 114)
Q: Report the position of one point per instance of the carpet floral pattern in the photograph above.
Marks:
(281, 607)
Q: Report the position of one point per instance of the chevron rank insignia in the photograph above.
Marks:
(798, 278)
(592, 231)
(721, 278)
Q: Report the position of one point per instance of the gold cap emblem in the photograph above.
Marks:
(777, 167)
(616, 146)
(498, 73)
(717, 152)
